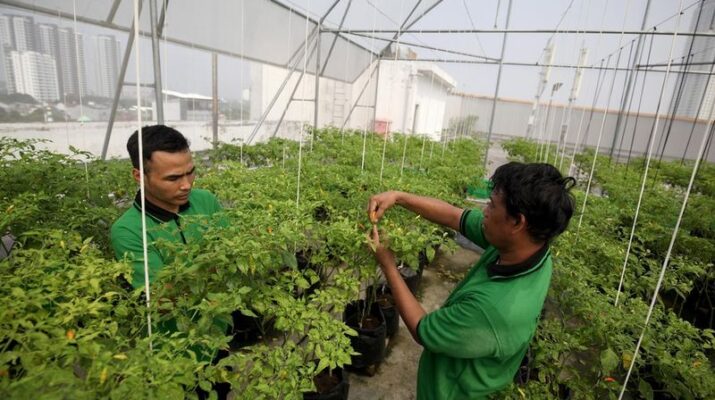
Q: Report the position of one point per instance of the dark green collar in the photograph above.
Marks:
(533, 263)
(157, 212)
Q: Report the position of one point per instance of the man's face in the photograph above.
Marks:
(169, 179)
(497, 223)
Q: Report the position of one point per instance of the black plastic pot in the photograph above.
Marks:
(370, 341)
(383, 297)
(330, 385)
(423, 260)
(411, 277)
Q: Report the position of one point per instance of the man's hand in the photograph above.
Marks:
(380, 203)
(383, 255)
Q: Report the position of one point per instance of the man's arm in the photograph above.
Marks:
(409, 308)
(435, 210)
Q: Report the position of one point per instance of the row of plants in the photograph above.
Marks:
(585, 342)
(286, 260)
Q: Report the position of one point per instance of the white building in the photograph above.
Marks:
(35, 74)
(17, 33)
(107, 65)
(71, 61)
(412, 98)
(185, 107)
(48, 43)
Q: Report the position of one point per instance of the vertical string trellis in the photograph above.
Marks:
(649, 156)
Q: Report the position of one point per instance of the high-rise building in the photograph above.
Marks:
(71, 63)
(23, 33)
(35, 74)
(700, 50)
(107, 65)
(17, 33)
(48, 43)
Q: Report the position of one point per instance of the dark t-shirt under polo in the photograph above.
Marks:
(474, 343)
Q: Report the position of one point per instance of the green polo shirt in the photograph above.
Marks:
(126, 232)
(474, 343)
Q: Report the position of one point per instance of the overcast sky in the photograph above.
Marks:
(189, 70)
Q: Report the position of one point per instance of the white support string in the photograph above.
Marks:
(653, 134)
(577, 50)
(578, 137)
(549, 136)
(147, 291)
(302, 125)
(364, 131)
(345, 69)
(77, 61)
(165, 74)
(389, 103)
(424, 139)
(595, 154)
(603, 120)
(243, 66)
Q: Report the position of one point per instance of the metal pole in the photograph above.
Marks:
(629, 84)
(496, 90)
(214, 102)
(158, 94)
(268, 109)
(335, 39)
(120, 84)
(350, 113)
(291, 98)
(521, 31)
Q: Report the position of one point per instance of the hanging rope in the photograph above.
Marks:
(389, 104)
(345, 69)
(77, 61)
(424, 136)
(648, 159)
(577, 54)
(165, 81)
(622, 111)
(578, 136)
(302, 125)
(243, 64)
(630, 100)
(551, 135)
(596, 96)
(147, 291)
(640, 102)
(595, 153)
(364, 131)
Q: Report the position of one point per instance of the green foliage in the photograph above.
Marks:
(584, 342)
(71, 323)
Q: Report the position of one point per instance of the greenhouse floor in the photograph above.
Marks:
(396, 378)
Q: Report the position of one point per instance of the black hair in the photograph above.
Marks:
(540, 193)
(155, 138)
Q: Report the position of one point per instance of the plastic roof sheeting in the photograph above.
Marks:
(272, 32)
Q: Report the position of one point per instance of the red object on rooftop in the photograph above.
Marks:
(382, 126)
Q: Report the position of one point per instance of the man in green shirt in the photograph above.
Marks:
(169, 198)
(474, 343)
